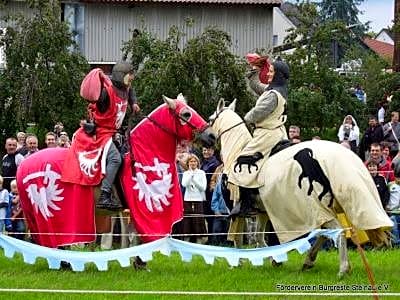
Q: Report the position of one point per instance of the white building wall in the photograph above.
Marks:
(280, 26)
(107, 25)
(384, 37)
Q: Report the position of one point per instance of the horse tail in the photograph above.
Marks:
(379, 237)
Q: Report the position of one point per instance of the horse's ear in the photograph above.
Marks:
(232, 106)
(170, 102)
(220, 105)
(181, 98)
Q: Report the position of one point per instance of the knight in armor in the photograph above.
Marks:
(268, 118)
(95, 138)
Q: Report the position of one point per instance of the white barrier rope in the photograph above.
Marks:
(198, 293)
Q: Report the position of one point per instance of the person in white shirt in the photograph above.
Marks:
(381, 113)
(393, 206)
(195, 183)
(4, 199)
(350, 132)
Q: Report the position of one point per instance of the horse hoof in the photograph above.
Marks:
(306, 267)
(139, 264)
(66, 266)
(276, 264)
(345, 272)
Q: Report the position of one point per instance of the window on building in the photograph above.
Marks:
(275, 40)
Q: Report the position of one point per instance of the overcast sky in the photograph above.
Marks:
(379, 12)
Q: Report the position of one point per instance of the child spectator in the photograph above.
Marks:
(380, 182)
(3, 204)
(17, 216)
(384, 167)
(195, 182)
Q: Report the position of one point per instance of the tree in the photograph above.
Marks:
(204, 70)
(319, 98)
(41, 82)
(343, 10)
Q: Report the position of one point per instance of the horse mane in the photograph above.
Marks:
(233, 137)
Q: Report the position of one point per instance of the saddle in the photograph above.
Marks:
(281, 145)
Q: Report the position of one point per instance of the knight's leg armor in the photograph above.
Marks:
(113, 162)
(246, 205)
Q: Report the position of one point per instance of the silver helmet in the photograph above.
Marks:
(119, 71)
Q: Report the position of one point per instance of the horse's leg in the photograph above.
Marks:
(124, 230)
(107, 238)
(235, 227)
(313, 252)
(262, 219)
(342, 248)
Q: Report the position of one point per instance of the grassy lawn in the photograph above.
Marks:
(171, 274)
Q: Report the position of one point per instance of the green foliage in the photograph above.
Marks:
(319, 97)
(343, 10)
(41, 82)
(204, 70)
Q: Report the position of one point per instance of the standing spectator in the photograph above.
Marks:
(381, 112)
(218, 205)
(360, 94)
(385, 146)
(294, 132)
(208, 165)
(17, 221)
(350, 132)
(393, 207)
(384, 167)
(58, 128)
(391, 133)
(31, 144)
(63, 140)
(10, 162)
(182, 154)
(296, 140)
(50, 140)
(373, 134)
(195, 182)
(380, 182)
(3, 204)
(21, 145)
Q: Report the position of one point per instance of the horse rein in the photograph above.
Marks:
(226, 130)
(170, 131)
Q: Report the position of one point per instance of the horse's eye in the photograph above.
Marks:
(186, 115)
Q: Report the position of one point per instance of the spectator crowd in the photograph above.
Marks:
(207, 201)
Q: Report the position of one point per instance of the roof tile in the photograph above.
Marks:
(384, 50)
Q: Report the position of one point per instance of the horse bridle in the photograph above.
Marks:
(226, 130)
(177, 118)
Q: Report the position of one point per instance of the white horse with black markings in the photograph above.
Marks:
(305, 186)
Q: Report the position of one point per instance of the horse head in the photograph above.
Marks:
(188, 122)
(225, 118)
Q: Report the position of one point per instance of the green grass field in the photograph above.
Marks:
(171, 274)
